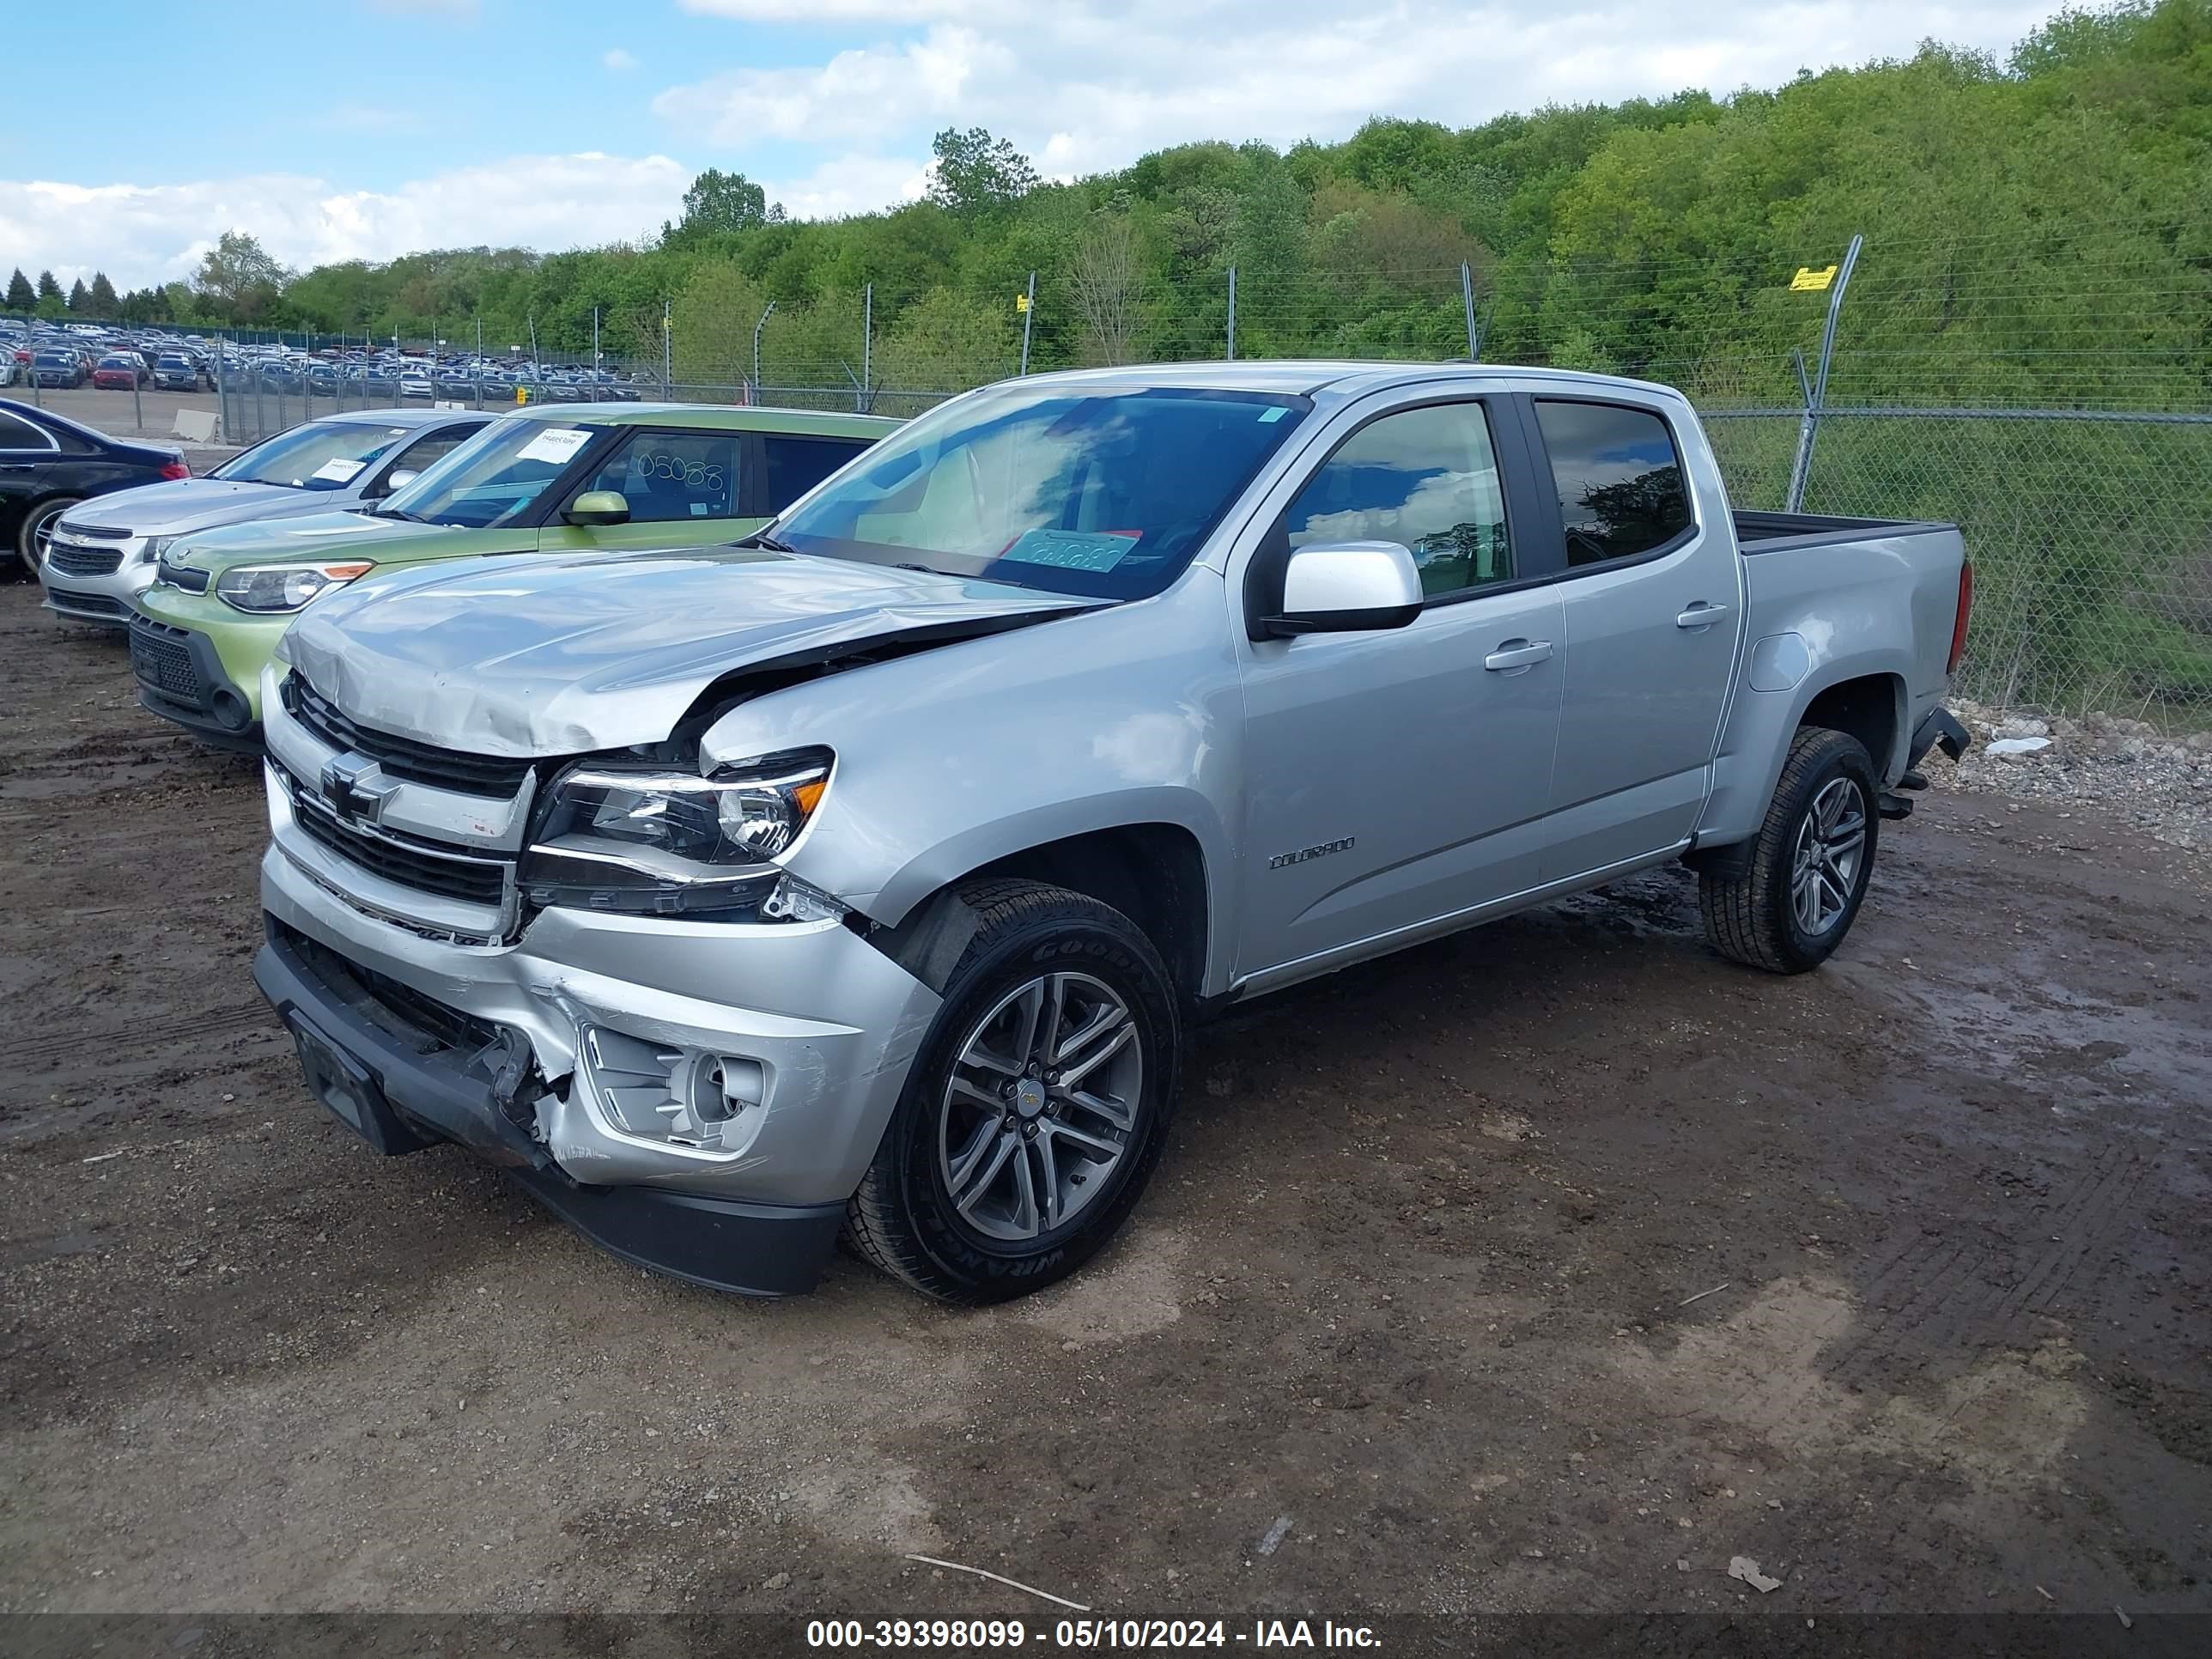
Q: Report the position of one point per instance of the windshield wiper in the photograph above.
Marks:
(396, 512)
(762, 538)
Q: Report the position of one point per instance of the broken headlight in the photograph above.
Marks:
(653, 840)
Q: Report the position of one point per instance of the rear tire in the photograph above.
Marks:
(31, 531)
(1037, 1105)
(1795, 898)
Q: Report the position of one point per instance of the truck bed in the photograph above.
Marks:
(1771, 532)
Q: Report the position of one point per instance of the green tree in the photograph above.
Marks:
(22, 296)
(237, 279)
(711, 321)
(976, 174)
(947, 340)
(48, 288)
(79, 298)
(51, 305)
(104, 300)
(720, 204)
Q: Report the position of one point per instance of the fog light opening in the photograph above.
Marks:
(231, 709)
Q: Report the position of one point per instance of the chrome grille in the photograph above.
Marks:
(69, 559)
(493, 775)
(400, 860)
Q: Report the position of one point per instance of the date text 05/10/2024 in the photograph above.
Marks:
(1082, 1634)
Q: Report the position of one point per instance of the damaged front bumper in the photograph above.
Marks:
(698, 1098)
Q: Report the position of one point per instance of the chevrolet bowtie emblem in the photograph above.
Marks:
(343, 787)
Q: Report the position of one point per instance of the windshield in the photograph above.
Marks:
(320, 455)
(492, 479)
(1103, 494)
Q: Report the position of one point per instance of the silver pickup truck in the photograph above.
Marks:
(865, 876)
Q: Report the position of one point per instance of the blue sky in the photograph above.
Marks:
(365, 127)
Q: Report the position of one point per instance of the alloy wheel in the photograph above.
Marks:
(1041, 1106)
(1825, 865)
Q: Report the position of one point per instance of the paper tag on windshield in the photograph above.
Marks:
(1072, 549)
(340, 471)
(556, 444)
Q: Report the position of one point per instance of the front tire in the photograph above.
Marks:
(1037, 1108)
(38, 522)
(1795, 898)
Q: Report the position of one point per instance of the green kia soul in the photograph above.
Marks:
(586, 475)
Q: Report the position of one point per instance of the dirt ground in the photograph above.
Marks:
(1548, 1268)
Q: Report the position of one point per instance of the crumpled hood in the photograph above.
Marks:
(566, 653)
(193, 504)
(316, 536)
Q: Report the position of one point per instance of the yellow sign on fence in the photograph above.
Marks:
(1021, 302)
(1809, 280)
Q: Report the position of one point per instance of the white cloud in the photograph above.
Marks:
(867, 93)
(148, 233)
(850, 185)
(1084, 88)
(619, 61)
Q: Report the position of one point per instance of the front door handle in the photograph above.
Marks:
(1701, 615)
(1517, 656)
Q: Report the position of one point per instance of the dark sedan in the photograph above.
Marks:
(174, 372)
(57, 368)
(49, 463)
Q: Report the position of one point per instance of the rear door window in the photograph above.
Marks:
(795, 465)
(1619, 477)
(16, 433)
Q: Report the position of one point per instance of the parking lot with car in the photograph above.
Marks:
(1559, 1263)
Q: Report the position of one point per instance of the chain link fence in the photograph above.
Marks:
(2057, 406)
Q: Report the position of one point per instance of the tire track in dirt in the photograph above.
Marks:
(1939, 1294)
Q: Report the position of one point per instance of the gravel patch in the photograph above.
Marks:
(2127, 769)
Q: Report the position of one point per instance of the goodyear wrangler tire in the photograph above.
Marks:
(1797, 893)
(1037, 1108)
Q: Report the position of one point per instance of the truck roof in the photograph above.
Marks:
(733, 417)
(1306, 377)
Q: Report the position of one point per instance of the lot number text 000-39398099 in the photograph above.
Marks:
(1084, 1634)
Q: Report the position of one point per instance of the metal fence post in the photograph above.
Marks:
(667, 351)
(1232, 313)
(867, 345)
(1029, 311)
(137, 409)
(757, 327)
(222, 397)
(1466, 299)
(1802, 467)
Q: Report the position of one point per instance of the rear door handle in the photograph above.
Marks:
(1517, 656)
(1701, 615)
